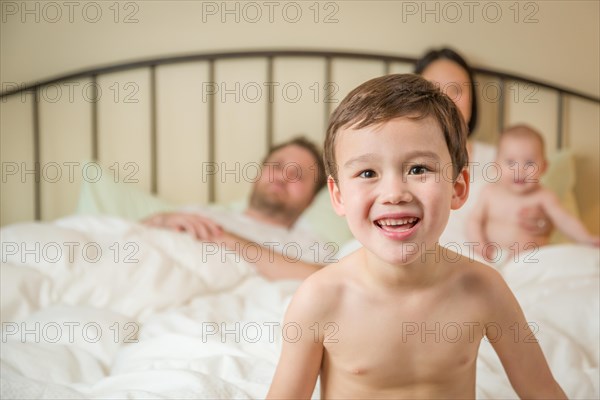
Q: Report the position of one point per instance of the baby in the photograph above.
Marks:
(402, 317)
(494, 220)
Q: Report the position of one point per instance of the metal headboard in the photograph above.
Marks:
(211, 58)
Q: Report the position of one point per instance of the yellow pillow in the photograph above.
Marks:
(560, 178)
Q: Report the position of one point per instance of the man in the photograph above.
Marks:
(292, 174)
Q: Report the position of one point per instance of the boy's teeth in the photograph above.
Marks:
(399, 221)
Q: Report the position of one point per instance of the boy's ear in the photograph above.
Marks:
(336, 197)
(460, 188)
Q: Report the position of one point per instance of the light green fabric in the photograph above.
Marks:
(118, 199)
(321, 218)
(126, 201)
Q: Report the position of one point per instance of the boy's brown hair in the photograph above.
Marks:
(398, 95)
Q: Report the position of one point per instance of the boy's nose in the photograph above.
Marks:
(395, 191)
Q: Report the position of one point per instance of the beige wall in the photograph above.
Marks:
(554, 41)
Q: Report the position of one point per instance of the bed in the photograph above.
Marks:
(96, 305)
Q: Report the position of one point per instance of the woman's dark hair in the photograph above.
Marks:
(446, 53)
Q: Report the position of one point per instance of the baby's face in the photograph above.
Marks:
(395, 187)
(522, 163)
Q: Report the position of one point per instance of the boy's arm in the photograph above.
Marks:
(567, 223)
(514, 342)
(476, 221)
(300, 361)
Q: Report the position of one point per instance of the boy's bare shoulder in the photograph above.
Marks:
(477, 278)
(325, 289)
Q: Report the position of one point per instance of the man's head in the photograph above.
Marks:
(292, 174)
(521, 157)
(392, 96)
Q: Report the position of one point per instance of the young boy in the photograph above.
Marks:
(401, 317)
(494, 220)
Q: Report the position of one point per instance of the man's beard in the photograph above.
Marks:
(271, 205)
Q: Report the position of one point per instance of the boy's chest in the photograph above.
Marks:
(408, 342)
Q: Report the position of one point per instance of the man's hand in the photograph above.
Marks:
(201, 228)
(535, 221)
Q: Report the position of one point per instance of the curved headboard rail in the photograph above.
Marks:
(279, 53)
(269, 55)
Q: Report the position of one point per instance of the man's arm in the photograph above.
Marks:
(267, 262)
(567, 223)
(518, 349)
(199, 227)
(300, 361)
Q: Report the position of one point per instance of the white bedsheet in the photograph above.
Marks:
(157, 317)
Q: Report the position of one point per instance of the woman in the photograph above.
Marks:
(455, 77)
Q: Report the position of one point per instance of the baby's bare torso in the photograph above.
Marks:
(417, 343)
(502, 220)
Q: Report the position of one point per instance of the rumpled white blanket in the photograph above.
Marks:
(156, 315)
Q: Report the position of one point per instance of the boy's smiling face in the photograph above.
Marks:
(395, 186)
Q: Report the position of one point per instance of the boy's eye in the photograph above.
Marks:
(417, 170)
(367, 174)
